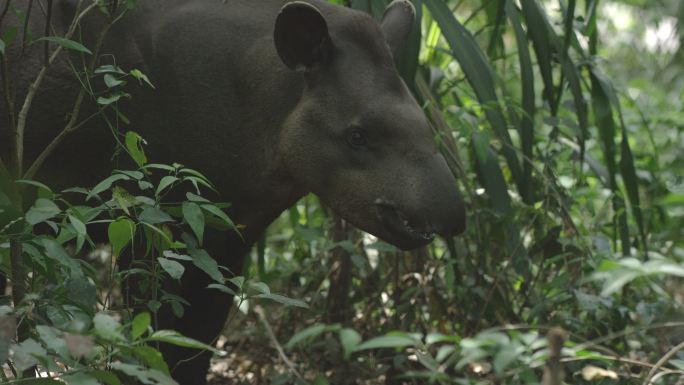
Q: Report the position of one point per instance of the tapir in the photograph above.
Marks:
(271, 100)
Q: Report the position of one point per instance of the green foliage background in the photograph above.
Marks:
(564, 131)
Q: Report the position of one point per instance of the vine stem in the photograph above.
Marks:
(72, 124)
(18, 147)
(662, 362)
(262, 317)
(18, 273)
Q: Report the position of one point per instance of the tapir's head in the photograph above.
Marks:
(357, 138)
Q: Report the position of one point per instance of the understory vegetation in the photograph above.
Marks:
(563, 124)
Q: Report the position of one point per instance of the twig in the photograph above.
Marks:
(665, 372)
(662, 362)
(27, 17)
(18, 148)
(4, 10)
(614, 335)
(4, 65)
(46, 33)
(6, 90)
(553, 371)
(262, 317)
(71, 125)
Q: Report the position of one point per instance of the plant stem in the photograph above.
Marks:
(71, 125)
(18, 147)
(662, 362)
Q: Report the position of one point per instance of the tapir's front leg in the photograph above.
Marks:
(204, 319)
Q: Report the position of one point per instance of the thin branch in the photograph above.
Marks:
(553, 371)
(18, 148)
(27, 17)
(71, 125)
(46, 33)
(262, 317)
(662, 362)
(4, 10)
(4, 69)
(6, 89)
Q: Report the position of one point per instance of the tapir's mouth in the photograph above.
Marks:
(403, 232)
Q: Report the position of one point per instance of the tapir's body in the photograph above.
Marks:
(269, 104)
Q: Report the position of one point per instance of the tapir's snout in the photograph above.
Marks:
(426, 205)
(447, 215)
(453, 221)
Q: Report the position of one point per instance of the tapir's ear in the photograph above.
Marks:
(301, 36)
(397, 23)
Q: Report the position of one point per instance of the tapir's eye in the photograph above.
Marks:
(356, 138)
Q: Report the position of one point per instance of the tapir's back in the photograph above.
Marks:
(210, 61)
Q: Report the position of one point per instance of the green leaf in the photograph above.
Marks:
(55, 251)
(105, 101)
(141, 77)
(42, 210)
(153, 216)
(120, 233)
(106, 377)
(28, 353)
(81, 291)
(144, 375)
(212, 209)
(222, 288)
(481, 145)
(539, 33)
(526, 123)
(79, 226)
(506, 356)
(157, 166)
(349, 339)
(134, 144)
(491, 177)
(53, 340)
(111, 81)
(66, 43)
(140, 324)
(152, 358)
(173, 268)
(165, 182)
(479, 73)
(260, 287)
(109, 68)
(79, 379)
(43, 381)
(283, 300)
(123, 198)
(105, 184)
(175, 338)
(35, 184)
(107, 327)
(207, 264)
(2, 47)
(171, 254)
(192, 213)
(305, 334)
(196, 198)
(603, 113)
(388, 341)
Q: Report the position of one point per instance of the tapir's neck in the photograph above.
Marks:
(220, 103)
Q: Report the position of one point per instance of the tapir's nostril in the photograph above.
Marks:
(452, 222)
(460, 220)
